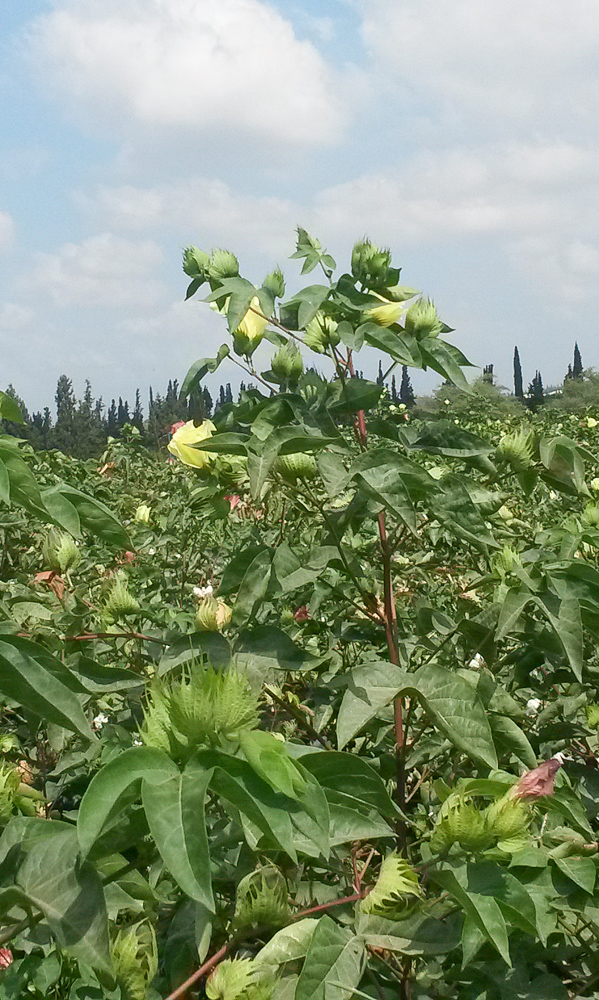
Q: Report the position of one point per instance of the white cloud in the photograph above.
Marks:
(200, 209)
(104, 270)
(7, 230)
(507, 61)
(14, 318)
(191, 65)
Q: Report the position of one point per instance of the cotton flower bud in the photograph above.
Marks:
(232, 979)
(134, 954)
(213, 615)
(593, 716)
(321, 333)
(384, 315)
(120, 601)
(590, 515)
(261, 900)
(223, 264)
(517, 450)
(595, 484)
(506, 561)
(370, 265)
(591, 422)
(275, 283)
(297, 466)
(507, 818)
(195, 263)
(287, 363)
(395, 891)
(422, 320)
(533, 705)
(143, 513)
(59, 552)
(250, 331)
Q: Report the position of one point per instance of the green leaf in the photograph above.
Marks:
(266, 647)
(70, 895)
(96, 517)
(196, 646)
(371, 688)
(445, 359)
(352, 777)
(508, 736)
(581, 871)
(443, 437)
(453, 507)
(253, 587)
(352, 395)
(24, 677)
(289, 944)
(24, 489)
(456, 710)
(4, 484)
(483, 910)
(174, 806)
(104, 798)
(9, 410)
(200, 369)
(335, 956)
(415, 935)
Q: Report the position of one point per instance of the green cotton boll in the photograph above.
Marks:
(9, 785)
(396, 890)
(195, 263)
(287, 363)
(295, 467)
(205, 705)
(59, 552)
(157, 729)
(321, 333)
(134, 954)
(262, 900)
(269, 758)
(223, 264)
(460, 822)
(422, 320)
(517, 450)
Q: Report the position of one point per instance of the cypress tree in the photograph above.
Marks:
(536, 394)
(577, 366)
(406, 393)
(518, 389)
(207, 400)
(138, 418)
(393, 390)
(379, 378)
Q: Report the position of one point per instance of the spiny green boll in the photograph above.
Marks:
(507, 818)
(120, 602)
(231, 979)
(157, 729)
(59, 552)
(223, 264)
(422, 320)
(321, 333)
(593, 716)
(286, 616)
(8, 742)
(143, 513)
(134, 956)
(195, 262)
(517, 450)
(275, 283)
(506, 561)
(213, 615)
(262, 900)
(369, 264)
(396, 889)
(590, 515)
(287, 363)
(295, 467)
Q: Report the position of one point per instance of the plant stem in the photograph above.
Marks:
(299, 716)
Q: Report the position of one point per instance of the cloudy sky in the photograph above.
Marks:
(462, 133)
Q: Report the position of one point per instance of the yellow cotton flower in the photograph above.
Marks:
(188, 435)
(250, 331)
(385, 314)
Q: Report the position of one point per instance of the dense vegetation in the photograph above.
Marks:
(309, 712)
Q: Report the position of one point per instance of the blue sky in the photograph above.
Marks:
(462, 133)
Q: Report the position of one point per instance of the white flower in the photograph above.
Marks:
(203, 592)
(553, 494)
(533, 705)
(100, 720)
(151, 552)
(477, 662)
(137, 743)
(447, 402)
(595, 484)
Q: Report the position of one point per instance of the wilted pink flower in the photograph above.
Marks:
(175, 427)
(534, 784)
(233, 499)
(302, 614)
(6, 958)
